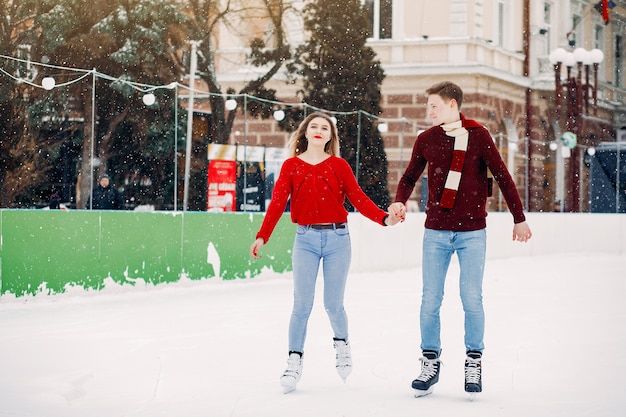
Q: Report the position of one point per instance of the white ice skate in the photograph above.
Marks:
(292, 374)
(344, 359)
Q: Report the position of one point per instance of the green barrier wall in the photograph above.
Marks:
(47, 251)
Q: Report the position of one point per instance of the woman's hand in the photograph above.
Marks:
(392, 220)
(256, 245)
(397, 212)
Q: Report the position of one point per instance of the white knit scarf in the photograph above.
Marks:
(461, 140)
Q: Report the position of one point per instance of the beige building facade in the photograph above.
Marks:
(499, 52)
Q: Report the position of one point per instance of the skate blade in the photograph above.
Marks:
(288, 384)
(288, 388)
(422, 393)
(472, 396)
(344, 372)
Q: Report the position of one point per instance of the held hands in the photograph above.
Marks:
(392, 220)
(521, 232)
(254, 249)
(397, 213)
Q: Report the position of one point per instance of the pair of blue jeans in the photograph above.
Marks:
(438, 248)
(332, 248)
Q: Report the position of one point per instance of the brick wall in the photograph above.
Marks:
(405, 115)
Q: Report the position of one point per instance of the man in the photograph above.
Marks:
(106, 197)
(458, 153)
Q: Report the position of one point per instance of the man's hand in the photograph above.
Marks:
(397, 212)
(521, 232)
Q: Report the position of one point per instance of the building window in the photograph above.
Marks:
(505, 35)
(546, 26)
(379, 15)
(25, 69)
(547, 13)
(500, 40)
(576, 35)
(598, 42)
(619, 66)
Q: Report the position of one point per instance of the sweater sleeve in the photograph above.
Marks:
(280, 197)
(502, 176)
(412, 173)
(356, 195)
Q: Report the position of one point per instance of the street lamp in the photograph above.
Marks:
(192, 85)
(577, 94)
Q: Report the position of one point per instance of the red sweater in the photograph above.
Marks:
(317, 195)
(433, 148)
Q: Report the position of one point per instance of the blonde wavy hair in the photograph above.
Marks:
(298, 143)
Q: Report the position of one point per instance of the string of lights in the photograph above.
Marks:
(48, 83)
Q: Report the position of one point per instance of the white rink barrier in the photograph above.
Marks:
(377, 248)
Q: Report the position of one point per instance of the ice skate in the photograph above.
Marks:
(292, 374)
(473, 374)
(344, 358)
(429, 376)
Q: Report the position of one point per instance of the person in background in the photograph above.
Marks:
(317, 181)
(55, 201)
(458, 153)
(105, 197)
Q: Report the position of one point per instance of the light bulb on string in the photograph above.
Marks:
(48, 83)
(279, 115)
(149, 99)
(231, 104)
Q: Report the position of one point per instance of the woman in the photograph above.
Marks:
(317, 181)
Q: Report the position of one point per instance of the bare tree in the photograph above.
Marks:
(137, 41)
(20, 160)
(133, 41)
(269, 50)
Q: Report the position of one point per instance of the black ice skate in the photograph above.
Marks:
(473, 373)
(423, 385)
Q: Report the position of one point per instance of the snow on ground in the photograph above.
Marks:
(555, 346)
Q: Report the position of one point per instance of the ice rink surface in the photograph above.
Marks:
(555, 346)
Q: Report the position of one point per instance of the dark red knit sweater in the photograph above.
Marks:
(317, 195)
(433, 148)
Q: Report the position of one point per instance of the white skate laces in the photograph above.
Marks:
(344, 358)
(429, 376)
(430, 369)
(473, 373)
(292, 374)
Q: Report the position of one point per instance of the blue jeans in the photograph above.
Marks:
(439, 245)
(309, 248)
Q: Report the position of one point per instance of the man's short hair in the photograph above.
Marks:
(447, 90)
